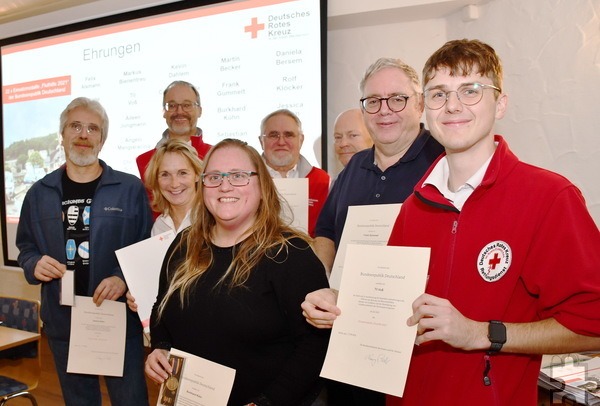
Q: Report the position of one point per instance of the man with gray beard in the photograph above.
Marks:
(74, 219)
(281, 139)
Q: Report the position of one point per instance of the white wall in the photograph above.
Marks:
(551, 55)
(351, 51)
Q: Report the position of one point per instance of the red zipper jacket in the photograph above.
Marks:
(523, 248)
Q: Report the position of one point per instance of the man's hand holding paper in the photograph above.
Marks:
(371, 342)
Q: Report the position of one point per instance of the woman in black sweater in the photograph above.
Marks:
(231, 287)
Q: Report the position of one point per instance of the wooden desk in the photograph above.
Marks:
(12, 337)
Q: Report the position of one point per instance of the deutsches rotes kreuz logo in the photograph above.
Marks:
(494, 260)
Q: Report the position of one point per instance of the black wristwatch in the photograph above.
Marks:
(496, 335)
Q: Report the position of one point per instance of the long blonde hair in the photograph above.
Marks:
(267, 237)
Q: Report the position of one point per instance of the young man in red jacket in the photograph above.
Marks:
(515, 254)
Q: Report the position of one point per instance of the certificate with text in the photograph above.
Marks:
(140, 264)
(97, 344)
(371, 345)
(195, 381)
(365, 225)
(295, 193)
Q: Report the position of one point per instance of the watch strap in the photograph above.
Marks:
(496, 335)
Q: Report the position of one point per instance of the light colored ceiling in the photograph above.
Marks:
(13, 10)
(351, 14)
(342, 13)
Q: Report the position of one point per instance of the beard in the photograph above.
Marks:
(85, 159)
(281, 161)
(180, 128)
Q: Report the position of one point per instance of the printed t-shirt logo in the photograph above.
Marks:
(84, 250)
(72, 214)
(86, 216)
(494, 260)
(70, 249)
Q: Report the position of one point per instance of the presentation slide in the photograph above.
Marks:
(247, 58)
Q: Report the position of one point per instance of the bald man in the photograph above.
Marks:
(350, 135)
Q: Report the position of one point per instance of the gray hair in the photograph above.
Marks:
(88, 104)
(182, 83)
(383, 63)
(284, 112)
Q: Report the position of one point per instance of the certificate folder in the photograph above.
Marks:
(371, 345)
(140, 264)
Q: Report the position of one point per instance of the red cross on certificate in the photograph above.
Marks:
(254, 27)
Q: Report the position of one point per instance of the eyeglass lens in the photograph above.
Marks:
(469, 95)
(90, 129)
(373, 105)
(234, 178)
(185, 106)
(274, 136)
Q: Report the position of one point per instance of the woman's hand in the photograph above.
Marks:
(157, 365)
(131, 302)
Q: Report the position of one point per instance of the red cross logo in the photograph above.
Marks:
(494, 261)
(254, 27)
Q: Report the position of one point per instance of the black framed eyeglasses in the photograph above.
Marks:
(468, 94)
(185, 106)
(235, 178)
(395, 103)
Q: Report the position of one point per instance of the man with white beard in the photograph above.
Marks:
(74, 219)
(281, 139)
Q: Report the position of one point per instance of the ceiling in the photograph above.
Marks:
(13, 10)
(372, 12)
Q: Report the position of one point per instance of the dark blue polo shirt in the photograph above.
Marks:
(361, 182)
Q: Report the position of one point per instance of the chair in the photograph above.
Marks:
(20, 367)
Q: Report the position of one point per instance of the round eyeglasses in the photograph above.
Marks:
(90, 129)
(235, 178)
(395, 103)
(185, 106)
(468, 94)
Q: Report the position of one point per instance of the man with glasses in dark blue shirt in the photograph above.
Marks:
(392, 106)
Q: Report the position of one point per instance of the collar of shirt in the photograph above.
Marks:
(439, 178)
(292, 173)
(165, 136)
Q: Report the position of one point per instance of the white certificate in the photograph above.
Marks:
(295, 193)
(371, 345)
(195, 381)
(97, 344)
(67, 288)
(365, 225)
(140, 264)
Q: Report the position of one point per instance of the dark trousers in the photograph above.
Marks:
(341, 394)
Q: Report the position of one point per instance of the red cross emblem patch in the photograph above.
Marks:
(494, 260)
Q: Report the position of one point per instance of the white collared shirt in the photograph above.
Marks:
(440, 175)
(164, 223)
(292, 173)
